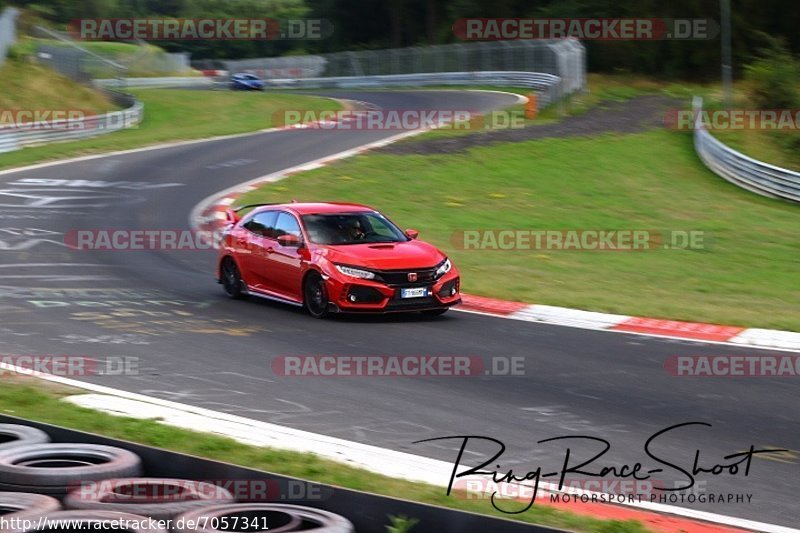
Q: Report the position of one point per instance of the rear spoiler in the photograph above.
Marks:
(232, 214)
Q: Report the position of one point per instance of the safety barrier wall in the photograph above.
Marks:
(548, 86)
(15, 138)
(746, 172)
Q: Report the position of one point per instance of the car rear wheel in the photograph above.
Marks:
(231, 279)
(315, 296)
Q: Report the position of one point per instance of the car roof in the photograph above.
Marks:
(318, 208)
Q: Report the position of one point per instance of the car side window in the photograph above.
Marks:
(287, 225)
(262, 224)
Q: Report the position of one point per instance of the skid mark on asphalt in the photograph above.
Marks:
(396, 428)
(560, 417)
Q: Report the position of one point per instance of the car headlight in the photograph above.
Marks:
(444, 268)
(355, 272)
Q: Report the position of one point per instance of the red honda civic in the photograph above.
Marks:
(333, 257)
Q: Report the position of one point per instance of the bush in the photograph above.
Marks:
(775, 79)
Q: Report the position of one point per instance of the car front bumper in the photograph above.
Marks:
(351, 295)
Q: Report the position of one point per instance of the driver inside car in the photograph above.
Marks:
(355, 232)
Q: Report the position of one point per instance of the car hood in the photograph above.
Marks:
(386, 256)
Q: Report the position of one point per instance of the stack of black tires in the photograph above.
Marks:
(66, 488)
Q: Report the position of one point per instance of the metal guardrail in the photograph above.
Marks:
(68, 130)
(746, 172)
(151, 83)
(549, 86)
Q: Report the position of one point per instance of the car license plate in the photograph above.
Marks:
(417, 292)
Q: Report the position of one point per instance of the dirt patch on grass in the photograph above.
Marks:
(632, 116)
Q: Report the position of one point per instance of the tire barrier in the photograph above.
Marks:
(109, 471)
(158, 498)
(74, 521)
(56, 468)
(97, 486)
(272, 517)
(24, 504)
(13, 435)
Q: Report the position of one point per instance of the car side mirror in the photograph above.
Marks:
(412, 233)
(289, 240)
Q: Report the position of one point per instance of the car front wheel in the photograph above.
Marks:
(316, 296)
(232, 279)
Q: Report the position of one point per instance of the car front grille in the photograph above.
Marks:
(399, 278)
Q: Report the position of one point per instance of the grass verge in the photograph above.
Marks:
(172, 115)
(26, 398)
(24, 86)
(746, 275)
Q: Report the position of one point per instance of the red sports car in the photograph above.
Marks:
(333, 257)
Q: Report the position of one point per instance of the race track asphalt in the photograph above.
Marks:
(197, 347)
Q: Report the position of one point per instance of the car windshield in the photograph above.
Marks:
(351, 228)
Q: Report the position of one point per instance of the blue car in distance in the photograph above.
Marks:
(246, 82)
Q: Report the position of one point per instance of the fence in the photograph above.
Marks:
(565, 58)
(85, 61)
(8, 31)
(737, 168)
(70, 59)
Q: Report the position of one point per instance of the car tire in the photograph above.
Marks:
(232, 282)
(56, 468)
(178, 496)
(87, 521)
(286, 518)
(315, 296)
(435, 312)
(23, 504)
(13, 435)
